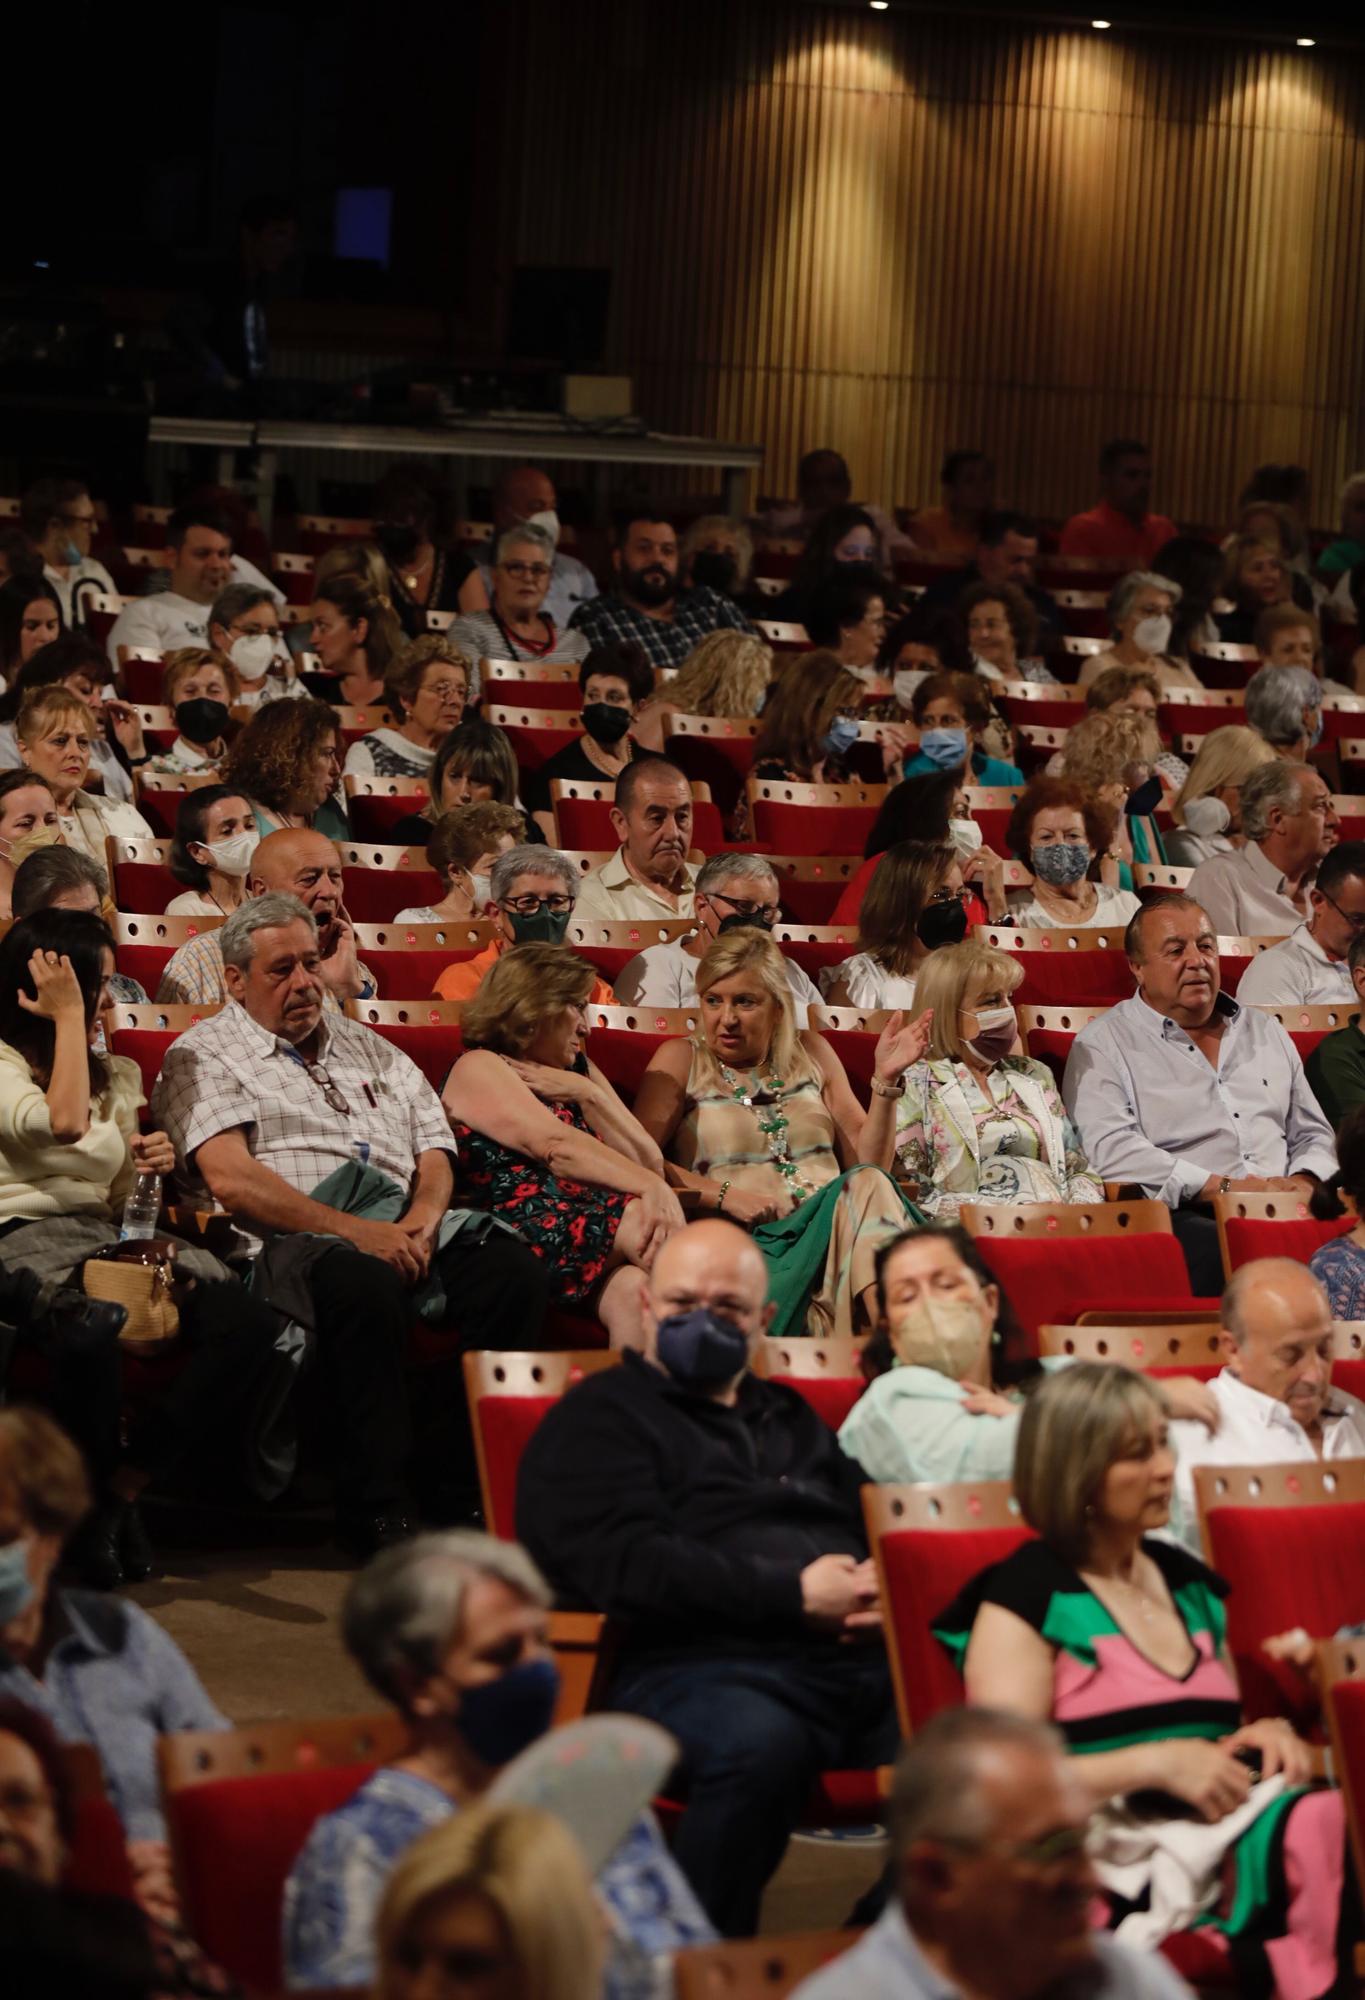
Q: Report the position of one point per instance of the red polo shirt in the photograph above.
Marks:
(1111, 536)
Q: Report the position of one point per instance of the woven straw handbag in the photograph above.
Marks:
(141, 1277)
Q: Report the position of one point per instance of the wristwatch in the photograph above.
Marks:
(1225, 1184)
(880, 1089)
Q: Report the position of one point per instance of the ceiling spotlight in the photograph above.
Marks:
(879, 6)
(1101, 24)
(1304, 42)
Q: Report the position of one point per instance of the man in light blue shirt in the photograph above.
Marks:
(1188, 1094)
(991, 1884)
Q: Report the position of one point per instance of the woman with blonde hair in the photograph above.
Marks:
(356, 636)
(1255, 575)
(426, 689)
(1119, 1637)
(718, 553)
(56, 733)
(810, 723)
(286, 762)
(1207, 808)
(916, 902)
(977, 1121)
(1112, 755)
(757, 1120)
(543, 1140)
(496, 1902)
(726, 674)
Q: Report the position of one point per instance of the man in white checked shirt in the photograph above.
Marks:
(266, 1100)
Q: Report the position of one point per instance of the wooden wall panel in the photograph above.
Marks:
(896, 233)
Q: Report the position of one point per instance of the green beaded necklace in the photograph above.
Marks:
(772, 1123)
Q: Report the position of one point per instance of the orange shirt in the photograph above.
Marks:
(933, 528)
(462, 980)
(1107, 535)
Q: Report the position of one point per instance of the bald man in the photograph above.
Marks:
(1275, 1397)
(297, 862)
(708, 1509)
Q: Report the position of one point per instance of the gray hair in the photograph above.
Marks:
(1276, 698)
(1352, 485)
(234, 600)
(1272, 785)
(935, 1789)
(404, 1610)
(50, 872)
(530, 859)
(237, 938)
(526, 531)
(1126, 589)
(735, 868)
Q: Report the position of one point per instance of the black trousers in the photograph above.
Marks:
(1197, 1234)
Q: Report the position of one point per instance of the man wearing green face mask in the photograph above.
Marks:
(534, 892)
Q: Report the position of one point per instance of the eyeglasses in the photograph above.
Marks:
(766, 912)
(531, 906)
(447, 691)
(944, 896)
(80, 520)
(527, 572)
(1356, 922)
(275, 632)
(315, 1073)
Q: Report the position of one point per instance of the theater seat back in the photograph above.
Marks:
(1249, 1237)
(235, 1841)
(97, 1857)
(830, 1396)
(1287, 1566)
(923, 1571)
(1050, 1280)
(508, 1424)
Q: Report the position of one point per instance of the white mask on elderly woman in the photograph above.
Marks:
(951, 1336)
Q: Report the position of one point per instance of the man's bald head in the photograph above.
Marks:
(523, 490)
(296, 861)
(710, 1265)
(1277, 1334)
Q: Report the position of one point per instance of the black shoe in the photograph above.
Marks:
(93, 1551)
(135, 1550)
(364, 1535)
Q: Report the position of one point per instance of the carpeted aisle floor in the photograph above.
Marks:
(261, 1630)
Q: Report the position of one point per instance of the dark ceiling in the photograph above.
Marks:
(1271, 21)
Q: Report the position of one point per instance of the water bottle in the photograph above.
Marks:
(142, 1209)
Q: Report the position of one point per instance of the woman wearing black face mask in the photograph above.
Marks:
(200, 688)
(613, 680)
(916, 903)
(978, 1122)
(414, 527)
(718, 553)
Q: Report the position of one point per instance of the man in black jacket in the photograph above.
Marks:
(715, 1514)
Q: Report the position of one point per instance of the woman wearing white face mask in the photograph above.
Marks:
(244, 625)
(1207, 808)
(215, 838)
(1141, 609)
(977, 1122)
(462, 849)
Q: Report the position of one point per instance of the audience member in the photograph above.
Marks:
(64, 878)
(846, 616)
(1006, 553)
(526, 493)
(760, 1123)
(1134, 689)
(1274, 1395)
(56, 735)
(810, 722)
(545, 1143)
(30, 618)
(954, 528)
(916, 903)
(952, 713)
(1098, 1619)
(200, 689)
(1120, 529)
(1141, 612)
(330, 1152)
(77, 664)
(296, 862)
(716, 1513)
(1255, 575)
(718, 552)
(1353, 584)
(975, 1121)
(450, 1629)
(199, 545)
(1207, 809)
(17, 555)
(822, 482)
(844, 537)
(82, 670)
(357, 638)
(1288, 637)
(1284, 704)
(1059, 830)
(991, 1888)
(1336, 1068)
(924, 641)
(287, 761)
(1197, 566)
(427, 687)
(645, 603)
(244, 624)
(1348, 549)
(1002, 632)
(1188, 1094)
(532, 891)
(732, 891)
(463, 846)
(649, 875)
(727, 674)
(1112, 755)
(1262, 889)
(937, 810)
(97, 1668)
(516, 625)
(214, 846)
(613, 680)
(414, 525)
(474, 764)
(1339, 1265)
(59, 518)
(28, 821)
(1308, 968)
(503, 1893)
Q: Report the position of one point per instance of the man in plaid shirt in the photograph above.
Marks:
(266, 1100)
(647, 605)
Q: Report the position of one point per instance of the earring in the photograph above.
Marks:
(1089, 1512)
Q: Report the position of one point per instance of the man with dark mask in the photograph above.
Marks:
(452, 1629)
(534, 892)
(714, 1511)
(613, 680)
(646, 605)
(732, 890)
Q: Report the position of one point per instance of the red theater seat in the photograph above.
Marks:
(1055, 1263)
(1270, 1225)
(825, 1372)
(812, 819)
(1080, 968)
